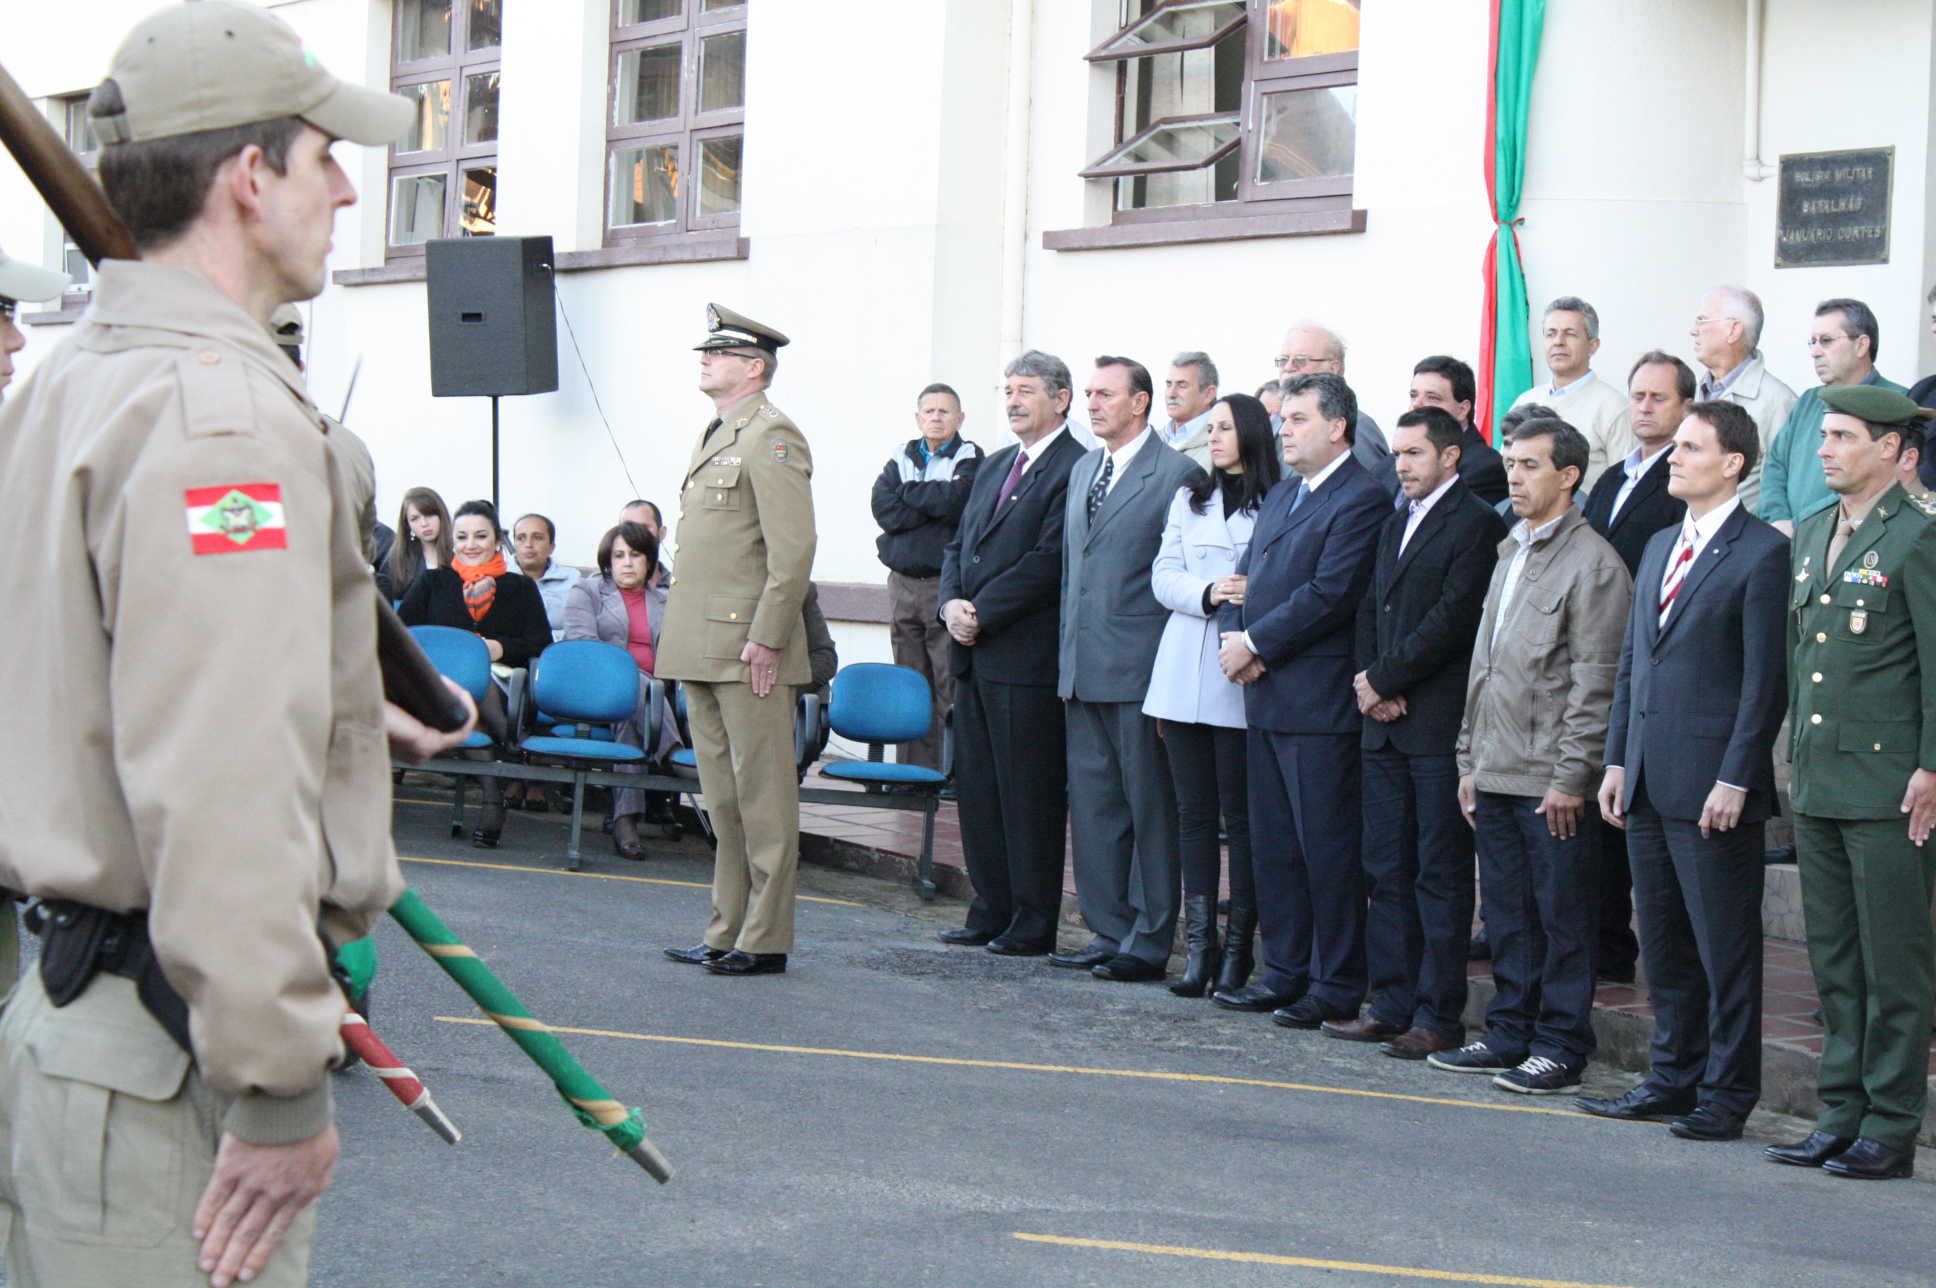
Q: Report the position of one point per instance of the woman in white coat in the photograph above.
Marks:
(1200, 713)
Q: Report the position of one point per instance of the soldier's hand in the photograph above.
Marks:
(1563, 813)
(1611, 789)
(256, 1192)
(765, 664)
(413, 740)
(963, 626)
(1920, 804)
(1723, 809)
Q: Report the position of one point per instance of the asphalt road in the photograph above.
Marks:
(895, 1112)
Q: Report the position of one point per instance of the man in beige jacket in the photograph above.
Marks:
(199, 731)
(1529, 758)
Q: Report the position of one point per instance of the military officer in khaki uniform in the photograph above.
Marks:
(733, 638)
(198, 728)
(1862, 702)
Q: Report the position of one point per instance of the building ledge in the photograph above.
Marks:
(1309, 223)
(689, 250)
(402, 270)
(71, 309)
(854, 601)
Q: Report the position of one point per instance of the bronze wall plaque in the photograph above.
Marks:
(1834, 208)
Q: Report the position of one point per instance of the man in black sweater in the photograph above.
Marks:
(918, 501)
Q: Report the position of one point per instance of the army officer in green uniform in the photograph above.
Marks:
(1862, 698)
(733, 638)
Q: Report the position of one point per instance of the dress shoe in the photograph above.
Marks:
(1083, 958)
(1708, 1122)
(1307, 1012)
(490, 826)
(1009, 946)
(1813, 1152)
(1254, 997)
(1125, 969)
(1871, 1160)
(1416, 1044)
(1780, 854)
(1473, 1057)
(1643, 1103)
(739, 963)
(965, 937)
(1363, 1029)
(698, 956)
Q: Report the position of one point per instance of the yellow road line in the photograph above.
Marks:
(1311, 1263)
(1153, 1075)
(601, 876)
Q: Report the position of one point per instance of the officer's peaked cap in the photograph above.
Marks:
(730, 330)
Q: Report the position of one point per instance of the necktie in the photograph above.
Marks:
(1014, 477)
(1297, 497)
(1100, 488)
(1676, 573)
(1843, 531)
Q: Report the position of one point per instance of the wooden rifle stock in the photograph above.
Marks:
(409, 679)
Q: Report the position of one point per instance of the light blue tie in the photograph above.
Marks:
(1302, 492)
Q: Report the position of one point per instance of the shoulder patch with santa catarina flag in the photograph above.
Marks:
(236, 516)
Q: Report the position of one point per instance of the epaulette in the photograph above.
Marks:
(1926, 504)
(215, 392)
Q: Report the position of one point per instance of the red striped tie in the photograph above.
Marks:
(1676, 573)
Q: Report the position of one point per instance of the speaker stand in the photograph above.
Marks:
(495, 503)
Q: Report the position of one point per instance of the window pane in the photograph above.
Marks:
(480, 108)
(487, 24)
(1174, 23)
(1300, 28)
(431, 132)
(719, 176)
(478, 218)
(722, 71)
(645, 185)
(423, 29)
(80, 128)
(631, 11)
(1192, 83)
(1191, 141)
(648, 85)
(722, 4)
(1181, 187)
(1307, 134)
(416, 209)
(77, 267)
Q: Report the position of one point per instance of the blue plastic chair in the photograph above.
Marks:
(810, 731)
(877, 704)
(583, 688)
(464, 658)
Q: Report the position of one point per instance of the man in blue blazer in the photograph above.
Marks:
(1697, 704)
(1290, 642)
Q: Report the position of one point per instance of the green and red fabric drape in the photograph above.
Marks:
(1505, 339)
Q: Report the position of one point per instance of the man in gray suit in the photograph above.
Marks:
(1122, 807)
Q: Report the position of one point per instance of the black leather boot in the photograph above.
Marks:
(1206, 954)
(1238, 959)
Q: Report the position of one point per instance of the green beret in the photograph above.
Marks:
(1873, 403)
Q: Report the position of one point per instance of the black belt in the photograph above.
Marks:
(78, 942)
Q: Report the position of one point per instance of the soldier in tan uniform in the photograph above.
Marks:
(733, 637)
(198, 735)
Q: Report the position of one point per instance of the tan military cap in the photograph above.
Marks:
(30, 282)
(215, 64)
(732, 330)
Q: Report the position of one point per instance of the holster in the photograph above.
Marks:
(79, 941)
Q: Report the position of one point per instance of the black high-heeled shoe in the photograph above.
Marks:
(1205, 952)
(490, 826)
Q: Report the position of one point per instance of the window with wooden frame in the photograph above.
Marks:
(1231, 108)
(443, 173)
(675, 121)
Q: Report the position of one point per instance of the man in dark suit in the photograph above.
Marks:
(1629, 503)
(1415, 632)
(1290, 642)
(1446, 383)
(1122, 805)
(1690, 776)
(1001, 597)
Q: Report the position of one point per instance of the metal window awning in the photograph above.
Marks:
(1173, 143)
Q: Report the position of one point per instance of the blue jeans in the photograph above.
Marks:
(1418, 873)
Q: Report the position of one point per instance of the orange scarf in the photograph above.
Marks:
(479, 598)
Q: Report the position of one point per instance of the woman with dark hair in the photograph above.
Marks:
(422, 539)
(1198, 711)
(476, 592)
(621, 606)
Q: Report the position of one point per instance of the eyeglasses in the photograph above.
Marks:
(1702, 321)
(1298, 363)
(1823, 341)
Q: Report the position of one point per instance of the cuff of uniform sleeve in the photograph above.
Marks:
(281, 1120)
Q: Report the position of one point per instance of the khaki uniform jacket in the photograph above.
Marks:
(197, 719)
(1862, 686)
(745, 551)
(1537, 700)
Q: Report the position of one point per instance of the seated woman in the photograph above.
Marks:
(422, 539)
(620, 606)
(477, 593)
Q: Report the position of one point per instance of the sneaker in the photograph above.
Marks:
(1539, 1076)
(1474, 1058)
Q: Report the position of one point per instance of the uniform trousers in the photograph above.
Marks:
(1011, 788)
(107, 1140)
(1418, 854)
(1305, 825)
(1699, 900)
(744, 746)
(1542, 911)
(920, 643)
(1123, 828)
(1865, 894)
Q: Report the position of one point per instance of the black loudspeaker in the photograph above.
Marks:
(493, 326)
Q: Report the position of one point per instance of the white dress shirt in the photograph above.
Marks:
(1121, 457)
(1526, 537)
(1636, 466)
(1419, 509)
(1032, 453)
